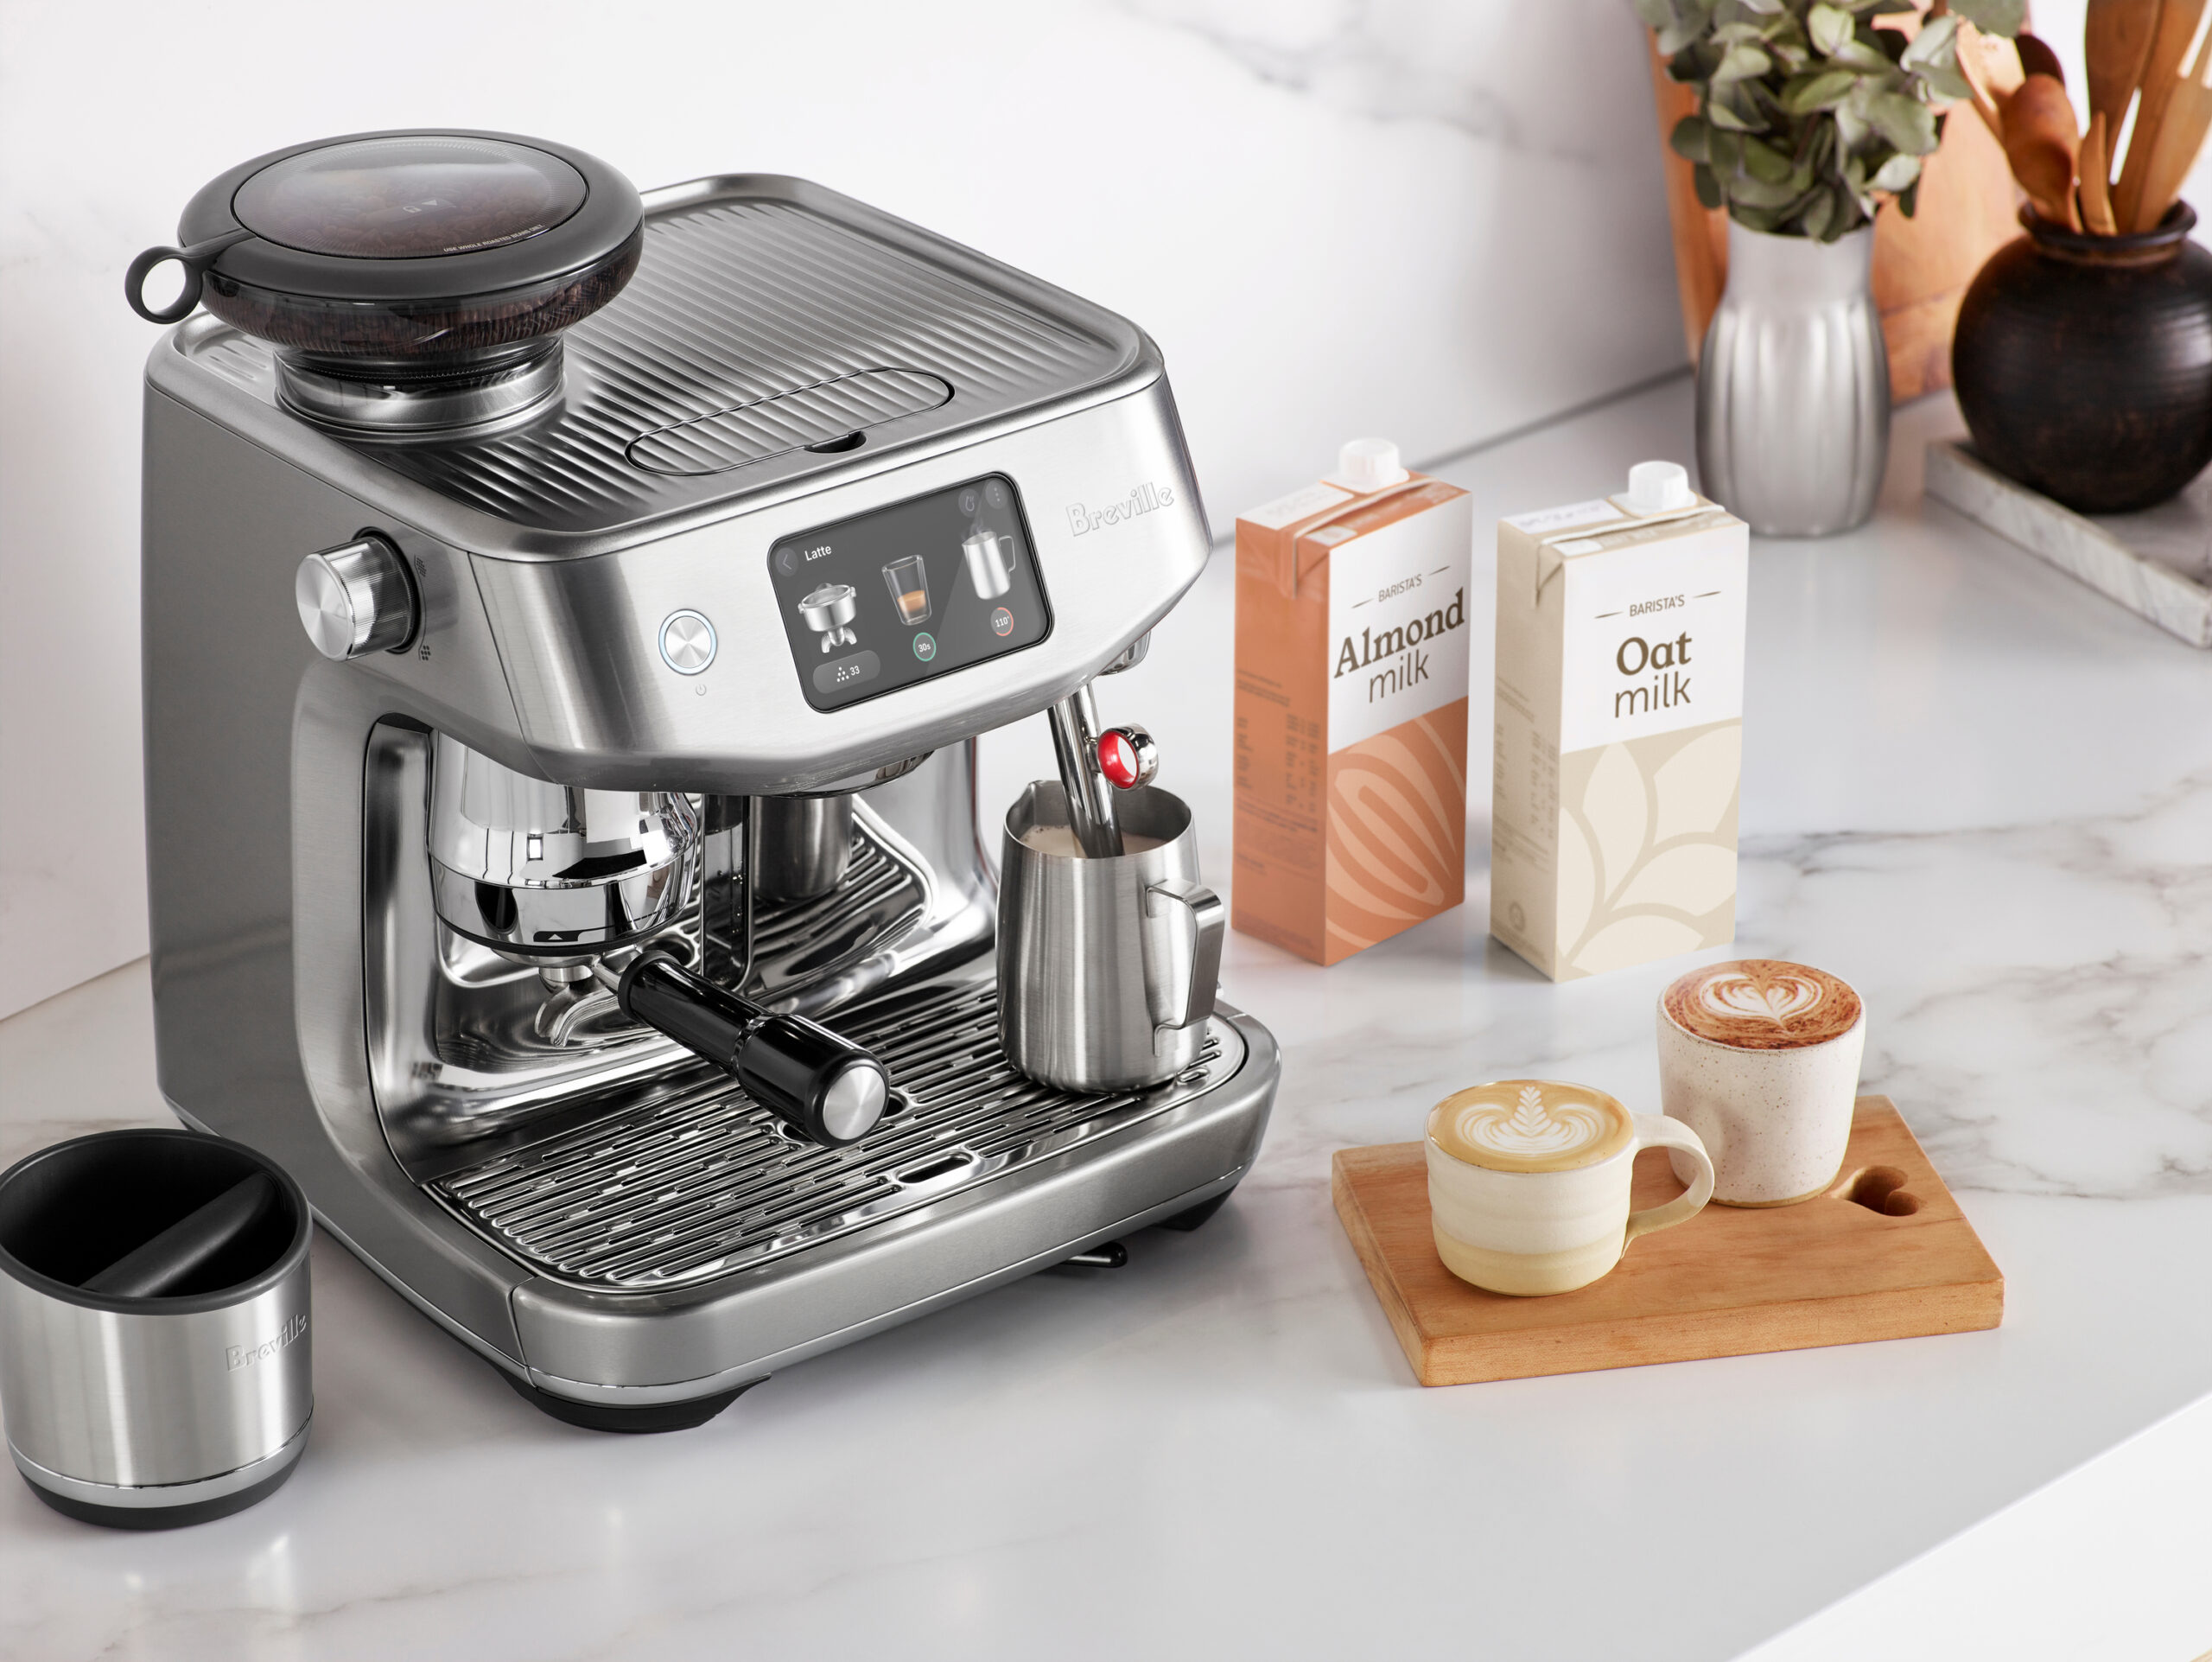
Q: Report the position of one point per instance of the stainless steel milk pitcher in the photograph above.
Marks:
(1107, 966)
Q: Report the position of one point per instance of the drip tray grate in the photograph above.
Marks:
(702, 1181)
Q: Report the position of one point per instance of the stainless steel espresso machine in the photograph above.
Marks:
(588, 905)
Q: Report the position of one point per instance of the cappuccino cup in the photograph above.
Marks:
(1760, 1058)
(1528, 1183)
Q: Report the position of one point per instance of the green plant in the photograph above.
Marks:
(1807, 112)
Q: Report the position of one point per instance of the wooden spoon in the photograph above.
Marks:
(2118, 38)
(2040, 141)
(1991, 69)
(2037, 58)
(2178, 21)
(2181, 134)
(2094, 165)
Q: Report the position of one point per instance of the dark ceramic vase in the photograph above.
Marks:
(2083, 365)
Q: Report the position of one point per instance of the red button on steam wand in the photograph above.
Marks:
(1127, 756)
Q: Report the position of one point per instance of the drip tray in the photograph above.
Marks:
(702, 1181)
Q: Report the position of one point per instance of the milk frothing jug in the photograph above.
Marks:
(1107, 966)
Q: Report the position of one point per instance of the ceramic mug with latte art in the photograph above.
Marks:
(1760, 1058)
(1528, 1183)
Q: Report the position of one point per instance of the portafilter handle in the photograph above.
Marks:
(826, 1085)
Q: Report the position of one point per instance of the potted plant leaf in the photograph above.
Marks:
(1809, 114)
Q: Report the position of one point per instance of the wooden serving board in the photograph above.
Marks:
(1884, 1253)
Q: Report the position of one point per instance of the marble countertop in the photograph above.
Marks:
(1978, 790)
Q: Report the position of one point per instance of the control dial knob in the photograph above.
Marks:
(356, 599)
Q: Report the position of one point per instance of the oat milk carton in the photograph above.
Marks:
(1351, 707)
(1619, 727)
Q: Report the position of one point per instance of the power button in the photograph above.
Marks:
(687, 642)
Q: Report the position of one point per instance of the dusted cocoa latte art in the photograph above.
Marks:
(1530, 1125)
(1762, 1003)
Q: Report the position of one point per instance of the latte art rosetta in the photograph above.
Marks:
(1532, 1126)
(1529, 1126)
(1762, 1004)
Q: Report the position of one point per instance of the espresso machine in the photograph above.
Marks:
(568, 615)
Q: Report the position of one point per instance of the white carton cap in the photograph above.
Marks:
(1658, 487)
(1369, 464)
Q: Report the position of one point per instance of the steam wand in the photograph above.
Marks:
(1094, 765)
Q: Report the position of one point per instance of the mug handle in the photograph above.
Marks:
(1657, 1132)
(1208, 919)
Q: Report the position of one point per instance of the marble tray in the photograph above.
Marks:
(2157, 564)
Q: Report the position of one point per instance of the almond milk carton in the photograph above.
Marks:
(1619, 727)
(1351, 707)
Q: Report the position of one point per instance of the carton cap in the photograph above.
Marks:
(1370, 464)
(1657, 487)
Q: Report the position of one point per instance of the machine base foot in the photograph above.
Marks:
(1186, 1221)
(637, 1419)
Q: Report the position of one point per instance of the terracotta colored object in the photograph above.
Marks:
(1921, 265)
(2084, 363)
(1884, 1252)
(1351, 712)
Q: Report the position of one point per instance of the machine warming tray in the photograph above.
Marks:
(700, 1181)
(773, 316)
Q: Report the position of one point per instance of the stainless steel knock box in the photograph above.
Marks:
(154, 1343)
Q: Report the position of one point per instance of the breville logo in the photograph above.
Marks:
(1143, 500)
(1403, 644)
(240, 1356)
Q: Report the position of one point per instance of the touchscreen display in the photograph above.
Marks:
(923, 588)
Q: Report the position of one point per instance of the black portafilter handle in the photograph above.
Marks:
(826, 1085)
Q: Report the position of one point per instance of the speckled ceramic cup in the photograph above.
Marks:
(1760, 1058)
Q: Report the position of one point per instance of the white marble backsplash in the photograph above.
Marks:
(1424, 60)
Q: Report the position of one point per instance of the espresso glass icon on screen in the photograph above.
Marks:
(909, 581)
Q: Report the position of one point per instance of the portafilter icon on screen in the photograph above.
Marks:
(828, 610)
(990, 562)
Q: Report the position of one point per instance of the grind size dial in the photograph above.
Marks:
(355, 599)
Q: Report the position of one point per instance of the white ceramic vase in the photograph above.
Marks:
(1793, 385)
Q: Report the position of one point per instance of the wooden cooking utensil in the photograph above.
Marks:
(2094, 165)
(2178, 21)
(2180, 135)
(2118, 37)
(2040, 141)
(1984, 105)
(2038, 59)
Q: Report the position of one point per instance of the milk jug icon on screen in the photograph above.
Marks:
(990, 562)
